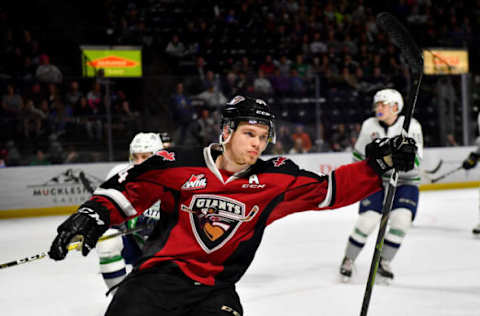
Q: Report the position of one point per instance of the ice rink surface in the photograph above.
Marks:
(295, 272)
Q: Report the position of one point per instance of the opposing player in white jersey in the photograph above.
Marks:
(469, 163)
(388, 121)
(116, 253)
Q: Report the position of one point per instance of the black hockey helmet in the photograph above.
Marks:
(165, 137)
(253, 111)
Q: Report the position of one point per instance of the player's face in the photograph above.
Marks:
(138, 158)
(384, 112)
(247, 143)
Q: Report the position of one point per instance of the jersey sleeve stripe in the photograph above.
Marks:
(118, 198)
(330, 193)
(357, 156)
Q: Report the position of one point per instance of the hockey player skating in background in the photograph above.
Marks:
(116, 253)
(469, 163)
(216, 203)
(388, 104)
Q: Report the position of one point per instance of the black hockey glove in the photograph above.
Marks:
(384, 154)
(404, 151)
(87, 223)
(471, 161)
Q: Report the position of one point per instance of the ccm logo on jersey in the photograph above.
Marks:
(253, 183)
(195, 182)
(166, 155)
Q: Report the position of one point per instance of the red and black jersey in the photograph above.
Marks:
(212, 222)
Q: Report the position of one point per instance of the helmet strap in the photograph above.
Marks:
(230, 131)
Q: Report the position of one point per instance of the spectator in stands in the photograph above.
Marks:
(229, 87)
(32, 119)
(195, 82)
(213, 99)
(300, 133)
(285, 137)
(47, 72)
(340, 139)
(280, 84)
(212, 79)
(12, 104)
(278, 148)
(14, 156)
(283, 65)
(262, 86)
(175, 48)
(89, 119)
(55, 153)
(317, 46)
(128, 118)
(74, 94)
(378, 80)
(35, 93)
(60, 117)
(207, 128)
(27, 74)
(53, 95)
(245, 66)
(243, 85)
(298, 147)
(95, 99)
(72, 155)
(301, 66)
(182, 113)
(268, 67)
(296, 84)
(40, 158)
(3, 157)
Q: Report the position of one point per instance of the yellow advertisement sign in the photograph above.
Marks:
(116, 61)
(439, 61)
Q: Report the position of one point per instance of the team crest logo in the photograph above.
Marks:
(166, 155)
(374, 135)
(236, 100)
(215, 219)
(279, 161)
(196, 182)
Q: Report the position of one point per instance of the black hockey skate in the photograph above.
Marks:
(476, 230)
(385, 271)
(346, 269)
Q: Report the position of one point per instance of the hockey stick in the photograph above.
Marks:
(409, 50)
(86, 184)
(72, 246)
(446, 174)
(434, 170)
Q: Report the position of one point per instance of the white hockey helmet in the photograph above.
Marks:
(145, 143)
(390, 97)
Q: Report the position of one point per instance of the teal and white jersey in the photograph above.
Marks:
(117, 169)
(372, 128)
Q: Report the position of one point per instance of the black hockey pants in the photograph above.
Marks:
(166, 291)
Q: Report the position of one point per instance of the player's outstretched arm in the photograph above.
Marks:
(88, 223)
(397, 152)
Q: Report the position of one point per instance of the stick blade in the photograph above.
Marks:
(401, 38)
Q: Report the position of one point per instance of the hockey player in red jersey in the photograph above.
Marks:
(216, 204)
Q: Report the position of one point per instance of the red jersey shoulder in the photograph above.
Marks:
(176, 157)
(166, 155)
(280, 164)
